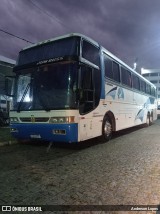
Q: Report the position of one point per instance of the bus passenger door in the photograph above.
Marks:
(89, 96)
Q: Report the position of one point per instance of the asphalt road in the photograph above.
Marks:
(126, 170)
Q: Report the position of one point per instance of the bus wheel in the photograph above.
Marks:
(151, 120)
(148, 120)
(106, 129)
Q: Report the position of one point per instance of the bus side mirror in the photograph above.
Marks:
(9, 82)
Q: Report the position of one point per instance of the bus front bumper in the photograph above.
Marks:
(46, 132)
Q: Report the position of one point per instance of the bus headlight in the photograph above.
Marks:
(69, 119)
(14, 120)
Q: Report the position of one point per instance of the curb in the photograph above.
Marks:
(8, 143)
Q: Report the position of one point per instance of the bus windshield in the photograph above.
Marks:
(46, 87)
(59, 48)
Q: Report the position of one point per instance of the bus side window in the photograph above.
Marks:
(90, 52)
(116, 72)
(143, 86)
(108, 67)
(153, 92)
(148, 89)
(136, 82)
(111, 69)
(126, 77)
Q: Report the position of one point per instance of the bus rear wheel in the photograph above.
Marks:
(147, 120)
(106, 129)
(151, 119)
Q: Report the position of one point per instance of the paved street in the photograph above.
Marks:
(125, 170)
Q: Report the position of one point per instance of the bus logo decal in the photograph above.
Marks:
(112, 92)
(120, 93)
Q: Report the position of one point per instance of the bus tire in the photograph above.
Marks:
(147, 120)
(106, 129)
(151, 119)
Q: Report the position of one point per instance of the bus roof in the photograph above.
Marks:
(61, 37)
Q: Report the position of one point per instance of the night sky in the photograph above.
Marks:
(130, 29)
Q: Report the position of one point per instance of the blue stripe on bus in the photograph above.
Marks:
(45, 132)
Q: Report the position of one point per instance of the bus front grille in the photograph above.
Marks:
(34, 119)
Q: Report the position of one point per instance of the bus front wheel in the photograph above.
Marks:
(106, 129)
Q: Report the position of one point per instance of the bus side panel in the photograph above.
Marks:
(120, 102)
(90, 125)
(129, 107)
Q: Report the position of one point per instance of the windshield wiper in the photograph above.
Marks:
(24, 94)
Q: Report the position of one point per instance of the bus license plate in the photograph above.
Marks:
(35, 136)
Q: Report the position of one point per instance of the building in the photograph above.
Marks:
(153, 75)
(6, 66)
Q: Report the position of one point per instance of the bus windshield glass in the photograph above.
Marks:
(46, 87)
(55, 49)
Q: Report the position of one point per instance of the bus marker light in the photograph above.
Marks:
(13, 130)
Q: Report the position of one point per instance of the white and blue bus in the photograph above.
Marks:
(70, 89)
